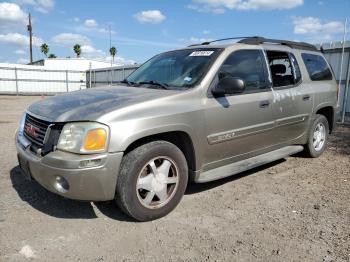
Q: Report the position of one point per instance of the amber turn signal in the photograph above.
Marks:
(95, 140)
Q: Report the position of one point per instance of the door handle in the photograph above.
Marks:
(264, 103)
(306, 97)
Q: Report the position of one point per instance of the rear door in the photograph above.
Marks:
(238, 126)
(292, 100)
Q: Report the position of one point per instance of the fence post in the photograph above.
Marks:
(346, 90)
(16, 79)
(123, 72)
(67, 81)
(90, 75)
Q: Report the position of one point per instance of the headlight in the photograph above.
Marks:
(84, 137)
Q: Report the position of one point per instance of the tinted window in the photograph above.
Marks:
(248, 65)
(317, 67)
(297, 74)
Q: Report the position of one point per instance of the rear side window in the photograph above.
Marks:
(317, 67)
(282, 72)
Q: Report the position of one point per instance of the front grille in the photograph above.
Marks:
(35, 130)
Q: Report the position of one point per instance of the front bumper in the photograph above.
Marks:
(96, 183)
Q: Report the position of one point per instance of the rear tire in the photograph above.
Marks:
(317, 137)
(152, 180)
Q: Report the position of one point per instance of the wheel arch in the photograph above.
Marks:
(329, 112)
(180, 138)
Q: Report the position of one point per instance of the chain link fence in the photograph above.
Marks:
(108, 76)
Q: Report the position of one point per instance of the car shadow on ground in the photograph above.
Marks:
(194, 188)
(57, 206)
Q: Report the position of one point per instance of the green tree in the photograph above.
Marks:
(113, 52)
(44, 48)
(52, 56)
(77, 50)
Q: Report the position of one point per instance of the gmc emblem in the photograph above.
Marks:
(32, 130)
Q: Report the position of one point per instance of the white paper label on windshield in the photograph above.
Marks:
(201, 53)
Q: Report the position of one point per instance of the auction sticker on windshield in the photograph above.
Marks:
(201, 53)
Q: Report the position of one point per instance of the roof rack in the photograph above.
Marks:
(223, 39)
(257, 40)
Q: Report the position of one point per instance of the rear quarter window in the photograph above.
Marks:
(317, 67)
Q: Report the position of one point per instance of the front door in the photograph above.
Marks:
(240, 125)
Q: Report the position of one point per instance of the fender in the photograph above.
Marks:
(322, 105)
(119, 143)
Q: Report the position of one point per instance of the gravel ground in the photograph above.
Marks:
(296, 209)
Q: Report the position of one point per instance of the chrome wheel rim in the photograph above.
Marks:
(157, 182)
(319, 136)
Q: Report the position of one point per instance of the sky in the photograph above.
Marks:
(142, 28)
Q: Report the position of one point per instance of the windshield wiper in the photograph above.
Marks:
(125, 81)
(155, 83)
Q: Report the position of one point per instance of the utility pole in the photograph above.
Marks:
(29, 28)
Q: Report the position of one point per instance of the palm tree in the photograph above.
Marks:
(44, 48)
(52, 56)
(113, 52)
(77, 49)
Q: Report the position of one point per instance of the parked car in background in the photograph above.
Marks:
(197, 114)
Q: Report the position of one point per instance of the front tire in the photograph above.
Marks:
(317, 137)
(152, 180)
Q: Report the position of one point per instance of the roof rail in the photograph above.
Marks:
(223, 39)
(257, 40)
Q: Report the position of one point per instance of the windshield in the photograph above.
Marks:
(180, 68)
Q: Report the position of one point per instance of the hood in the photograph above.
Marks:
(90, 104)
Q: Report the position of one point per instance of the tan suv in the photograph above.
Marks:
(195, 114)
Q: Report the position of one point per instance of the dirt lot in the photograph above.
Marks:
(291, 210)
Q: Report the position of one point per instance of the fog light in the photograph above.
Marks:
(61, 184)
(89, 163)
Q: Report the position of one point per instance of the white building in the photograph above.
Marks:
(80, 64)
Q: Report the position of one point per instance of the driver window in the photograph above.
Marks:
(249, 65)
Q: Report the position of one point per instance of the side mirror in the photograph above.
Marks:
(229, 85)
